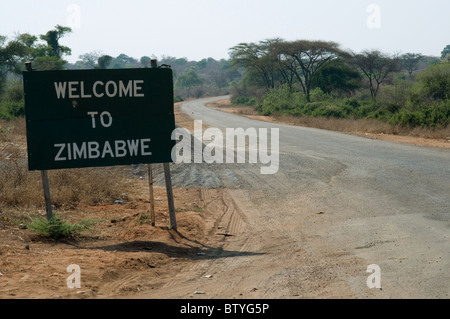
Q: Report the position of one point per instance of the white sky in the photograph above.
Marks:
(198, 29)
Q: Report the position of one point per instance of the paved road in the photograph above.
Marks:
(383, 203)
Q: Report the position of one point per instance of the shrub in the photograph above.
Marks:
(432, 85)
(282, 101)
(435, 81)
(56, 228)
(440, 115)
(380, 114)
(317, 95)
(311, 107)
(177, 99)
(436, 115)
(409, 119)
(12, 101)
(10, 109)
(244, 100)
(329, 110)
(353, 102)
(364, 109)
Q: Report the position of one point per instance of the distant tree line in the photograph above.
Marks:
(45, 52)
(192, 78)
(302, 78)
(318, 78)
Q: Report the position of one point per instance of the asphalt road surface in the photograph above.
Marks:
(337, 204)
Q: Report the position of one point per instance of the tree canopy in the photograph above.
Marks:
(445, 52)
(376, 67)
(278, 60)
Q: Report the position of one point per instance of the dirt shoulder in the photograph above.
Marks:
(121, 257)
(367, 129)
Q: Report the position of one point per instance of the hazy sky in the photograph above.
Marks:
(198, 29)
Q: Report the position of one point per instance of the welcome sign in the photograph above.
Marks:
(91, 118)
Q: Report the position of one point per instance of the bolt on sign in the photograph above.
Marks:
(92, 118)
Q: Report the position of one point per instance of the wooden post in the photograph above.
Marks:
(44, 174)
(170, 199)
(152, 196)
(48, 201)
(150, 179)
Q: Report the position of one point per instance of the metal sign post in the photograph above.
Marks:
(170, 199)
(152, 196)
(44, 174)
(47, 198)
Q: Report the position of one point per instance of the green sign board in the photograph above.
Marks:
(91, 118)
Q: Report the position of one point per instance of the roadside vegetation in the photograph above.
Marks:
(57, 228)
(317, 79)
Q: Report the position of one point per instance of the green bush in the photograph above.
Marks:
(10, 109)
(353, 102)
(364, 109)
(244, 100)
(380, 114)
(433, 85)
(12, 103)
(312, 107)
(56, 228)
(317, 95)
(329, 110)
(177, 99)
(282, 101)
(409, 119)
(436, 115)
(435, 81)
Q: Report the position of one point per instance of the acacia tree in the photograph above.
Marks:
(256, 58)
(410, 61)
(337, 76)
(376, 67)
(304, 58)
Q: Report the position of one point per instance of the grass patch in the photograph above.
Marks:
(21, 188)
(69, 188)
(144, 218)
(56, 228)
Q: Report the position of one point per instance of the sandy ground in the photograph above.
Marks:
(124, 256)
(221, 250)
(117, 254)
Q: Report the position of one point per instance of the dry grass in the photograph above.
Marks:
(14, 128)
(364, 126)
(20, 188)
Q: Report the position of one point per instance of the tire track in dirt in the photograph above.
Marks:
(226, 228)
